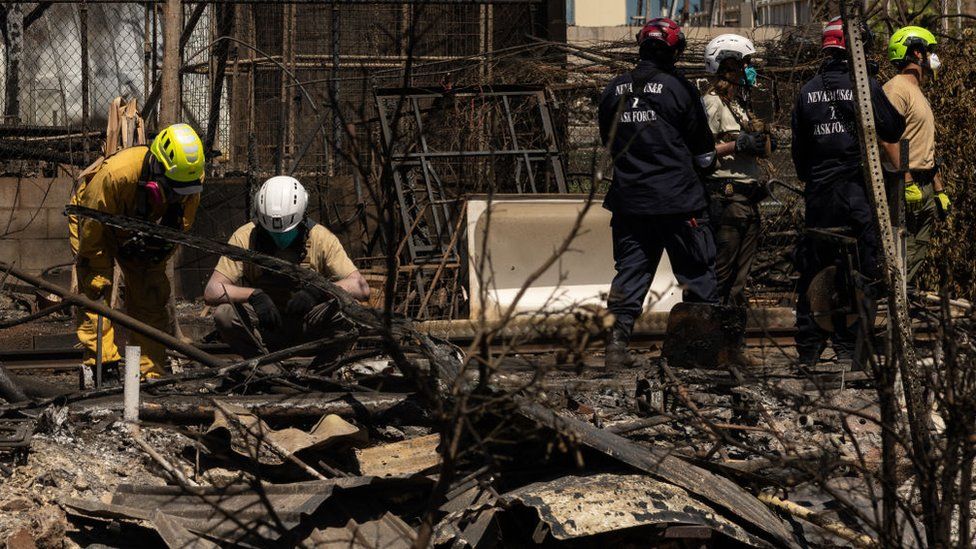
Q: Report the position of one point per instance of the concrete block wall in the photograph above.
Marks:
(33, 229)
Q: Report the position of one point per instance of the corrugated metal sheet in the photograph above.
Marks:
(580, 506)
(658, 462)
(386, 532)
(250, 515)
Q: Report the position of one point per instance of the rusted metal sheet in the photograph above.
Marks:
(386, 532)
(400, 459)
(470, 519)
(700, 335)
(175, 535)
(748, 512)
(241, 514)
(579, 506)
(248, 434)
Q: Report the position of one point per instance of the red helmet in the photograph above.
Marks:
(833, 34)
(664, 30)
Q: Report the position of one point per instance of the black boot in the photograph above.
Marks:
(617, 355)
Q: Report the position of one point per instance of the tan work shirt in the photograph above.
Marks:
(908, 99)
(324, 254)
(725, 126)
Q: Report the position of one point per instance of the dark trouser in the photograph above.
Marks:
(639, 241)
(737, 240)
(843, 205)
(241, 331)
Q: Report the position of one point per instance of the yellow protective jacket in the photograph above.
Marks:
(114, 189)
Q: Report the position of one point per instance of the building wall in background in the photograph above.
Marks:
(600, 13)
(32, 224)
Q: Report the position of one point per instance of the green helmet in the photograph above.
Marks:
(906, 37)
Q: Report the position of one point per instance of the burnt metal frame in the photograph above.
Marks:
(437, 203)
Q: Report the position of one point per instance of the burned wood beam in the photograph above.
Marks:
(404, 458)
(116, 316)
(308, 406)
(9, 389)
(857, 539)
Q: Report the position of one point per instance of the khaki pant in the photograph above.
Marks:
(919, 224)
(239, 327)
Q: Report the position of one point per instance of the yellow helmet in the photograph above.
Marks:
(179, 149)
(906, 37)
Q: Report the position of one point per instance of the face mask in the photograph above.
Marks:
(283, 240)
(934, 63)
(750, 77)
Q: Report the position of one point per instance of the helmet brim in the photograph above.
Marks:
(185, 190)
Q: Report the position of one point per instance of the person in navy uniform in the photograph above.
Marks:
(827, 156)
(653, 121)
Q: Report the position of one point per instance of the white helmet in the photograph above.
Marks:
(280, 204)
(724, 46)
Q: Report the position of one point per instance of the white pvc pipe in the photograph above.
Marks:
(130, 387)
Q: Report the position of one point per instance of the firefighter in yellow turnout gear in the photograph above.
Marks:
(160, 183)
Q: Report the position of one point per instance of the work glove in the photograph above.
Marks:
(305, 300)
(269, 317)
(146, 248)
(913, 196)
(751, 143)
(942, 203)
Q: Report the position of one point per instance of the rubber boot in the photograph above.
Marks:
(617, 355)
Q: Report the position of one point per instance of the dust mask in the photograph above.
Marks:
(934, 63)
(750, 77)
(283, 240)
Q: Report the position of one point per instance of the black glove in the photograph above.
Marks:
(304, 300)
(269, 317)
(752, 143)
(147, 248)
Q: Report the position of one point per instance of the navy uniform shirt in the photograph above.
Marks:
(657, 137)
(825, 148)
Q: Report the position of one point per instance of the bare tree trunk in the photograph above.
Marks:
(15, 49)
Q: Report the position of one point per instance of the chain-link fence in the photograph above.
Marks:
(297, 88)
(273, 87)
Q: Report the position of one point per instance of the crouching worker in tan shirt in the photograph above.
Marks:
(259, 311)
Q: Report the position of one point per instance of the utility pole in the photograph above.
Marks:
(169, 103)
(900, 328)
(169, 113)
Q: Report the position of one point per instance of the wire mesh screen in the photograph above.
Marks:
(288, 87)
